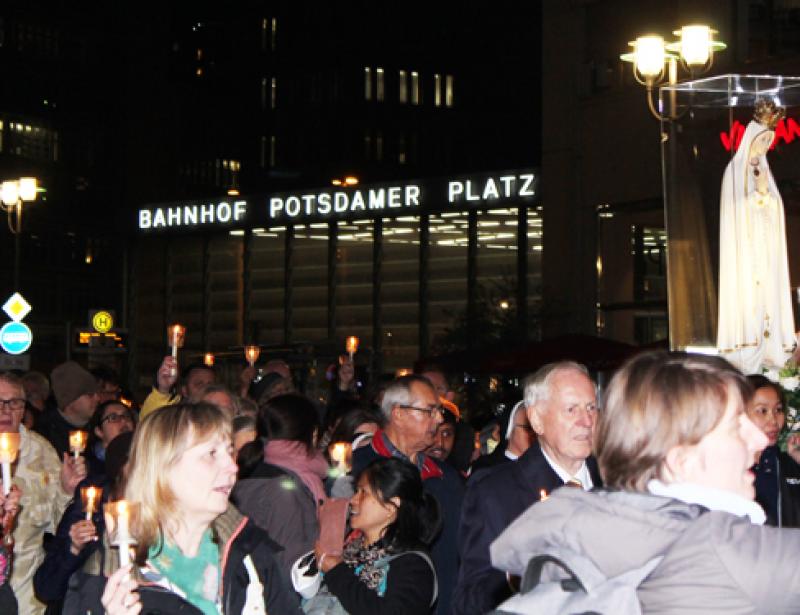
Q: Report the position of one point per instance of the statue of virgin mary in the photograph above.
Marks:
(756, 325)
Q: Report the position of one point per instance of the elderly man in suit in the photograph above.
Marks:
(561, 405)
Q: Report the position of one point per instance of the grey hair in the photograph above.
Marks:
(536, 388)
(398, 393)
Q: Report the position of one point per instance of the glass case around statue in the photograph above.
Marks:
(733, 266)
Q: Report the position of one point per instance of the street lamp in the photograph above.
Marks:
(13, 193)
(652, 57)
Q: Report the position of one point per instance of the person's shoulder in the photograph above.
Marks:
(36, 446)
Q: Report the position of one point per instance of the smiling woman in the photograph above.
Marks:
(189, 540)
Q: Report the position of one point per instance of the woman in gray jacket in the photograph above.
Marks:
(675, 448)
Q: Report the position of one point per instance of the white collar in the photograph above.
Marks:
(582, 474)
(713, 499)
(510, 455)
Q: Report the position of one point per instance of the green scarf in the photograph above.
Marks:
(197, 578)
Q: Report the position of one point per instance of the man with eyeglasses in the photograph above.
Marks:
(47, 486)
(412, 413)
(561, 407)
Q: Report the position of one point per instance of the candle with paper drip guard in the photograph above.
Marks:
(90, 496)
(176, 334)
(208, 359)
(118, 517)
(77, 442)
(251, 353)
(9, 447)
(351, 345)
(341, 454)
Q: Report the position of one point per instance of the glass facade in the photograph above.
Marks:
(441, 279)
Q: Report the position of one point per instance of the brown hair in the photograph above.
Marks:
(655, 402)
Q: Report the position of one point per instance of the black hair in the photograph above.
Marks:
(250, 455)
(418, 518)
(345, 430)
(757, 381)
(193, 366)
(289, 417)
(104, 373)
(97, 418)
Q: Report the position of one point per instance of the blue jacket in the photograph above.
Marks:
(446, 485)
(494, 498)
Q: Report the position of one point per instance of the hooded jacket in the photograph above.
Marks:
(714, 561)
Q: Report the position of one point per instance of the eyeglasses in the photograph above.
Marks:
(14, 404)
(116, 418)
(428, 411)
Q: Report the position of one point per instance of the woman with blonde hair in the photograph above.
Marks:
(676, 521)
(194, 552)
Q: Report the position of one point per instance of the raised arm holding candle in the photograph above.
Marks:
(77, 442)
(251, 353)
(175, 334)
(351, 346)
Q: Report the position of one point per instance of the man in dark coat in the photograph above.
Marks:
(561, 406)
(412, 413)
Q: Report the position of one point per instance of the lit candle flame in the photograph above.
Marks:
(351, 345)
(251, 353)
(208, 359)
(77, 442)
(543, 495)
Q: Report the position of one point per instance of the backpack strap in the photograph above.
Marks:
(424, 556)
(533, 574)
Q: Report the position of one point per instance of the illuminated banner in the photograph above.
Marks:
(786, 131)
(501, 189)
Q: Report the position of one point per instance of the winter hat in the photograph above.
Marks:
(69, 381)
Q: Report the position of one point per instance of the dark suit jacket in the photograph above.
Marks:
(494, 498)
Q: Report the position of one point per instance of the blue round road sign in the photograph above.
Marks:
(15, 337)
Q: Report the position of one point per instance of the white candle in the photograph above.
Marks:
(6, 477)
(123, 533)
(91, 494)
(9, 445)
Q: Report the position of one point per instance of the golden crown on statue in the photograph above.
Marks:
(767, 113)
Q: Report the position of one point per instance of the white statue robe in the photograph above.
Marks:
(756, 324)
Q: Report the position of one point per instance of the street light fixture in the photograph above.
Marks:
(13, 194)
(652, 57)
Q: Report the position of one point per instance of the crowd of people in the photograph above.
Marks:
(669, 484)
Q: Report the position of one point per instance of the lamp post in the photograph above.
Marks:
(655, 60)
(13, 194)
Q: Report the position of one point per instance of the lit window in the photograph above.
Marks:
(273, 144)
(414, 88)
(448, 91)
(264, 30)
(403, 87)
(274, 38)
(367, 83)
(437, 90)
(273, 97)
(379, 89)
(199, 72)
(263, 92)
(401, 149)
(262, 161)
(199, 54)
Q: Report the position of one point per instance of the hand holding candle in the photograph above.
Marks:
(77, 442)
(118, 516)
(176, 334)
(9, 447)
(90, 496)
(251, 353)
(341, 454)
(351, 345)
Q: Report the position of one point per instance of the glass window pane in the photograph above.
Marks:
(447, 286)
(266, 300)
(354, 281)
(310, 282)
(400, 292)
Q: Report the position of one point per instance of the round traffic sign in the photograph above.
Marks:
(102, 322)
(15, 337)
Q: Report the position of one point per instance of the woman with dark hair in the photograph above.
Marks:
(356, 424)
(282, 490)
(384, 568)
(777, 473)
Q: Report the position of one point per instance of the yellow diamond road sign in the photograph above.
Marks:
(16, 307)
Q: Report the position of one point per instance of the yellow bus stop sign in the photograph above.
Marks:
(103, 322)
